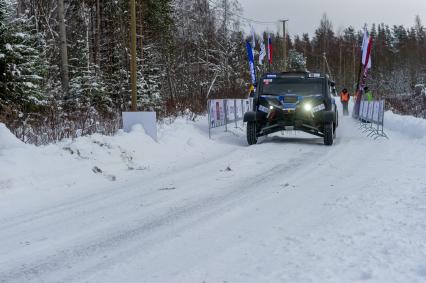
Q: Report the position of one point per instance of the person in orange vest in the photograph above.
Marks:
(344, 98)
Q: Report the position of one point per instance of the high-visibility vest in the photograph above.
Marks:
(344, 97)
(369, 95)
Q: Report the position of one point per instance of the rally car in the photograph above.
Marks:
(293, 101)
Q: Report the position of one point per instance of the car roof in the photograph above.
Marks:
(294, 75)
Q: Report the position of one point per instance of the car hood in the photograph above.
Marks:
(289, 101)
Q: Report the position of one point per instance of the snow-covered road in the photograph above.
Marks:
(286, 210)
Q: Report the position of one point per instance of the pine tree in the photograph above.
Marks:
(23, 64)
(4, 36)
(296, 61)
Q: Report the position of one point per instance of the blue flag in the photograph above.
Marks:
(251, 63)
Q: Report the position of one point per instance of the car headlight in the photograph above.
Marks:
(271, 107)
(307, 107)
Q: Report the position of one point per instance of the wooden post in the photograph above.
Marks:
(133, 53)
(64, 47)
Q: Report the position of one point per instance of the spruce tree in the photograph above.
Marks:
(3, 39)
(22, 63)
(296, 61)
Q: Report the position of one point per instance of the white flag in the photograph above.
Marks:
(262, 53)
(253, 44)
(366, 49)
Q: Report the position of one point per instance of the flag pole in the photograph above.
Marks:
(365, 65)
(269, 65)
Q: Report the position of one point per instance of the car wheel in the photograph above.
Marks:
(328, 134)
(251, 133)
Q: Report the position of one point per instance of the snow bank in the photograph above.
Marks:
(128, 209)
(407, 125)
(7, 139)
(98, 158)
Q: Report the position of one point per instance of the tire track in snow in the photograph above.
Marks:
(140, 234)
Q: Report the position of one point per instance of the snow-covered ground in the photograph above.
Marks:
(190, 209)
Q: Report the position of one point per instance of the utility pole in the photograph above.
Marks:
(285, 44)
(133, 53)
(324, 58)
(64, 47)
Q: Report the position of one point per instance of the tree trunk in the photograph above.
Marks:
(18, 8)
(63, 46)
(133, 53)
(86, 13)
(98, 34)
(141, 30)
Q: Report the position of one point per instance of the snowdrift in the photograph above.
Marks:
(7, 139)
(190, 209)
(100, 158)
(409, 126)
(103, 158)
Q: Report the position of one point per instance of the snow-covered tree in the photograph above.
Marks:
(22, 62)
(296, 61)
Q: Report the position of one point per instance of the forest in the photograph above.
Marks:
(65, 64)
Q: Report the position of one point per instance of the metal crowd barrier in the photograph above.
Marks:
(222, 112)
(371, 118)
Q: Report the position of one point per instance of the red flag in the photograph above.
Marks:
(367, 43)
(269, 49)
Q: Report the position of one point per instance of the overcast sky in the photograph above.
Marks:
(304, 15)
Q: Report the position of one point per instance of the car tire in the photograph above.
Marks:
(328, 134)
(251, 133)
(336, 125)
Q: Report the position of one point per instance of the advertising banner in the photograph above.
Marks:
(381, 111)
(365, 110)
(247, 105)
(370, 111)
(361, 110)
(239, 109)
(217, 113)
(222, 112)
(230, 110)
(376, 111)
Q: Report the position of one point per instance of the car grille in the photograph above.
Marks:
(290, 99)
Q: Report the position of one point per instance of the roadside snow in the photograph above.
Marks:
(407, 125)
(190, 209)
(51, 171)
(8, 140)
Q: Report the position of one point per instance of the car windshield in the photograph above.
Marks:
(302, 87)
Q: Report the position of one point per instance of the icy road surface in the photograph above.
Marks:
(286, 210)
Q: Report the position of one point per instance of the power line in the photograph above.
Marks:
(245, 18)
(258, 22)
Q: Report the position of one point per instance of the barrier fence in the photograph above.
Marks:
(372, 118)
(222, 112)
